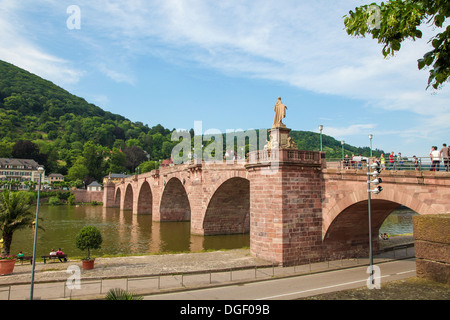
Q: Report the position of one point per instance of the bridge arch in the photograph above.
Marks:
(145, 199)
(175, 204)
(350, 229)
(117, 198)
(228, 210)
(128, 198)
(346, 225)
(390, 197)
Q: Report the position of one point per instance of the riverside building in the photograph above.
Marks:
(18, 174)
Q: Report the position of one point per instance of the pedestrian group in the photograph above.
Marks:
(393, 162)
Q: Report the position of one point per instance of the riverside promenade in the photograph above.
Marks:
(151, 274)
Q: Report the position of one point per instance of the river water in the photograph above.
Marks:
(126, 233)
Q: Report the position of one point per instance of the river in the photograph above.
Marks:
(127, 233)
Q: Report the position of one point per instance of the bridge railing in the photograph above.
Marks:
(269, 155)
(403, 163)
(288, 155)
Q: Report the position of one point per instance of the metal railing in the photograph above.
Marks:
(403, 163)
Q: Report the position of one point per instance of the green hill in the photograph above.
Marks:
(68, 135)
(67, 131)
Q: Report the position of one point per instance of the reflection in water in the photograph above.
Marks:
(128, 233)
(398, 222)
(122, 232)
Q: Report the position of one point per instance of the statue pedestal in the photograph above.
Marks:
(279, 137)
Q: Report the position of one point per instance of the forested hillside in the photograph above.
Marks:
(68, 135)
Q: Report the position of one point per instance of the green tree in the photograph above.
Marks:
(394, 21)
(15, 214)
(89, 238)
(78, 171)
(117, 161)
(6, 149)
(147, 166)
(93, 156)
(135, 156)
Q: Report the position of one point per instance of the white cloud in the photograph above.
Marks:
(116, 75)
(355, 129)
(301, 44)
(16, 48)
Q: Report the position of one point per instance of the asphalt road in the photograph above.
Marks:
(298, 286)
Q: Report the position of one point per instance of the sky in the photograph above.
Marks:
(225, 63)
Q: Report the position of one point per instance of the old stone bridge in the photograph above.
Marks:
(295, 207)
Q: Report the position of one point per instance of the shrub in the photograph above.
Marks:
(89, 238)
(120, 294)
(71, 200)
(54, 201)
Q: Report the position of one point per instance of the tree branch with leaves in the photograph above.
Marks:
(393, 22)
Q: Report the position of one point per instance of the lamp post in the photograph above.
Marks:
(343, 164)
(376, 181)
(40, 170)
(370, 138)
(320, 129)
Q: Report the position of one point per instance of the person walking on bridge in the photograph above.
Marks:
(445, 151)
(391, 161)
(435, 159)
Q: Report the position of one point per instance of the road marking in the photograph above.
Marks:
(328, 287)
(406, 272)
(309, 290)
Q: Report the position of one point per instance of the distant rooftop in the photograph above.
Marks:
(94, 184)
(56, 175)
(18, 163)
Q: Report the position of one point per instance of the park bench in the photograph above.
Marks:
(28, 258)
(52, 257)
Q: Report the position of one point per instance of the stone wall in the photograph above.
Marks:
(432, 247)
(87, 196)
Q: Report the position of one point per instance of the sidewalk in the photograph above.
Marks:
(159, 273)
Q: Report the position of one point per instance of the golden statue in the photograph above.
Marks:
(280, 113)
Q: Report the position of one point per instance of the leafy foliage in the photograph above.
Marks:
(89, 238)
(120, 294)
(400, 20)
(15, 214)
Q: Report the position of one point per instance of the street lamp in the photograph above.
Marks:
(343, 143)
(370, 138)
(40, 169)
(320, 129)
(377, 169)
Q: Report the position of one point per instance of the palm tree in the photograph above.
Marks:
(120, 294)
(15, 214)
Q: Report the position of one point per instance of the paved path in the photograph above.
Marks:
(298, 286)
(136, 266)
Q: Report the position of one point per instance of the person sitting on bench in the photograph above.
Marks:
(60, 255)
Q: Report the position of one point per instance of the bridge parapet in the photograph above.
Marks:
(437, 178)
(305, 157)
